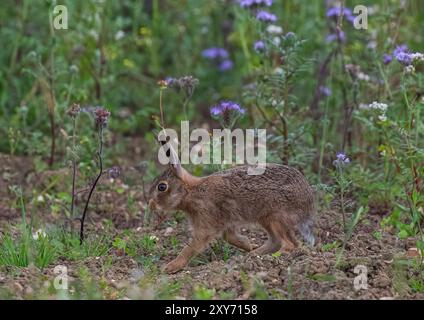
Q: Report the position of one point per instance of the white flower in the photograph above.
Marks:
(417, 57)
(378, 106)
(278, 70)
(40, 198)
(382, 117)
(38, 234)
(409, 69)
(153, 238)
(273, 29)
(276, 41)
(119, 35)
(363, 76)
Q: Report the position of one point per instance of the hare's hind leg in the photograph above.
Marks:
(273, 244)
(237, 240)
(286, 235)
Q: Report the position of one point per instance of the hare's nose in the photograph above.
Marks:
(152, 204)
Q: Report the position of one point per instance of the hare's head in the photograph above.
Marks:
(169, 189)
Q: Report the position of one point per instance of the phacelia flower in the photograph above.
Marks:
(399, 49)
(102, 116)
(325, 91)
(114, 172)
(404, 58)
(220, 57)
(215, 53)
(259, 46)
(387, 58)
(334, 37)
(335, 12)
(224, 107)
(252, 3)
(341, 160)
(265, 16)
(225, 65)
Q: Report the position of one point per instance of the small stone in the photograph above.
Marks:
(412, 253)
(18, 287)
(168, 231)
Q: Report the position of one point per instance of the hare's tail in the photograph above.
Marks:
(306, 230)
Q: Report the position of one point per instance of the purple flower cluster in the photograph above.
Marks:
(325, 91)
(215, 53)
(336, 37)
(387, 58)
(253, 3)
(259, 46)
(402, 54)
(224, 107)
(265, 16)
(220, 57)
(102, 116)
(335, 12)
(341, 160)
(262, 16)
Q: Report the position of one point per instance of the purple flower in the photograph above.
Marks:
(325, 91)
(102, 116)
(265, 16)
(170, 81)
(259, 46)
(334, 37)
(225, 65)
(252, 3)
(341, 160)
(387, 58)
(399, 49)
(114, 172)
(224, 107)
(404, 58)
(215, 53)
(335, 12)
(290, 34)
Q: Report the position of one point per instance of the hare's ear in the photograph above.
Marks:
(179, 171)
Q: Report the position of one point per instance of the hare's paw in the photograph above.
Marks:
(174, 266)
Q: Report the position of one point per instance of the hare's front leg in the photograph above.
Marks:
(196, 246)
(237, 240)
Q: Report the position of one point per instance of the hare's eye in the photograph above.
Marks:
(162, 187)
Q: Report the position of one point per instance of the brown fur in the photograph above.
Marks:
(280, 200)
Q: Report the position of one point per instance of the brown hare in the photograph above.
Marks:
(280, 200)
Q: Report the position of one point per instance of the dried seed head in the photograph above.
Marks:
(74, 110)
(163, 84)
(187, 84)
